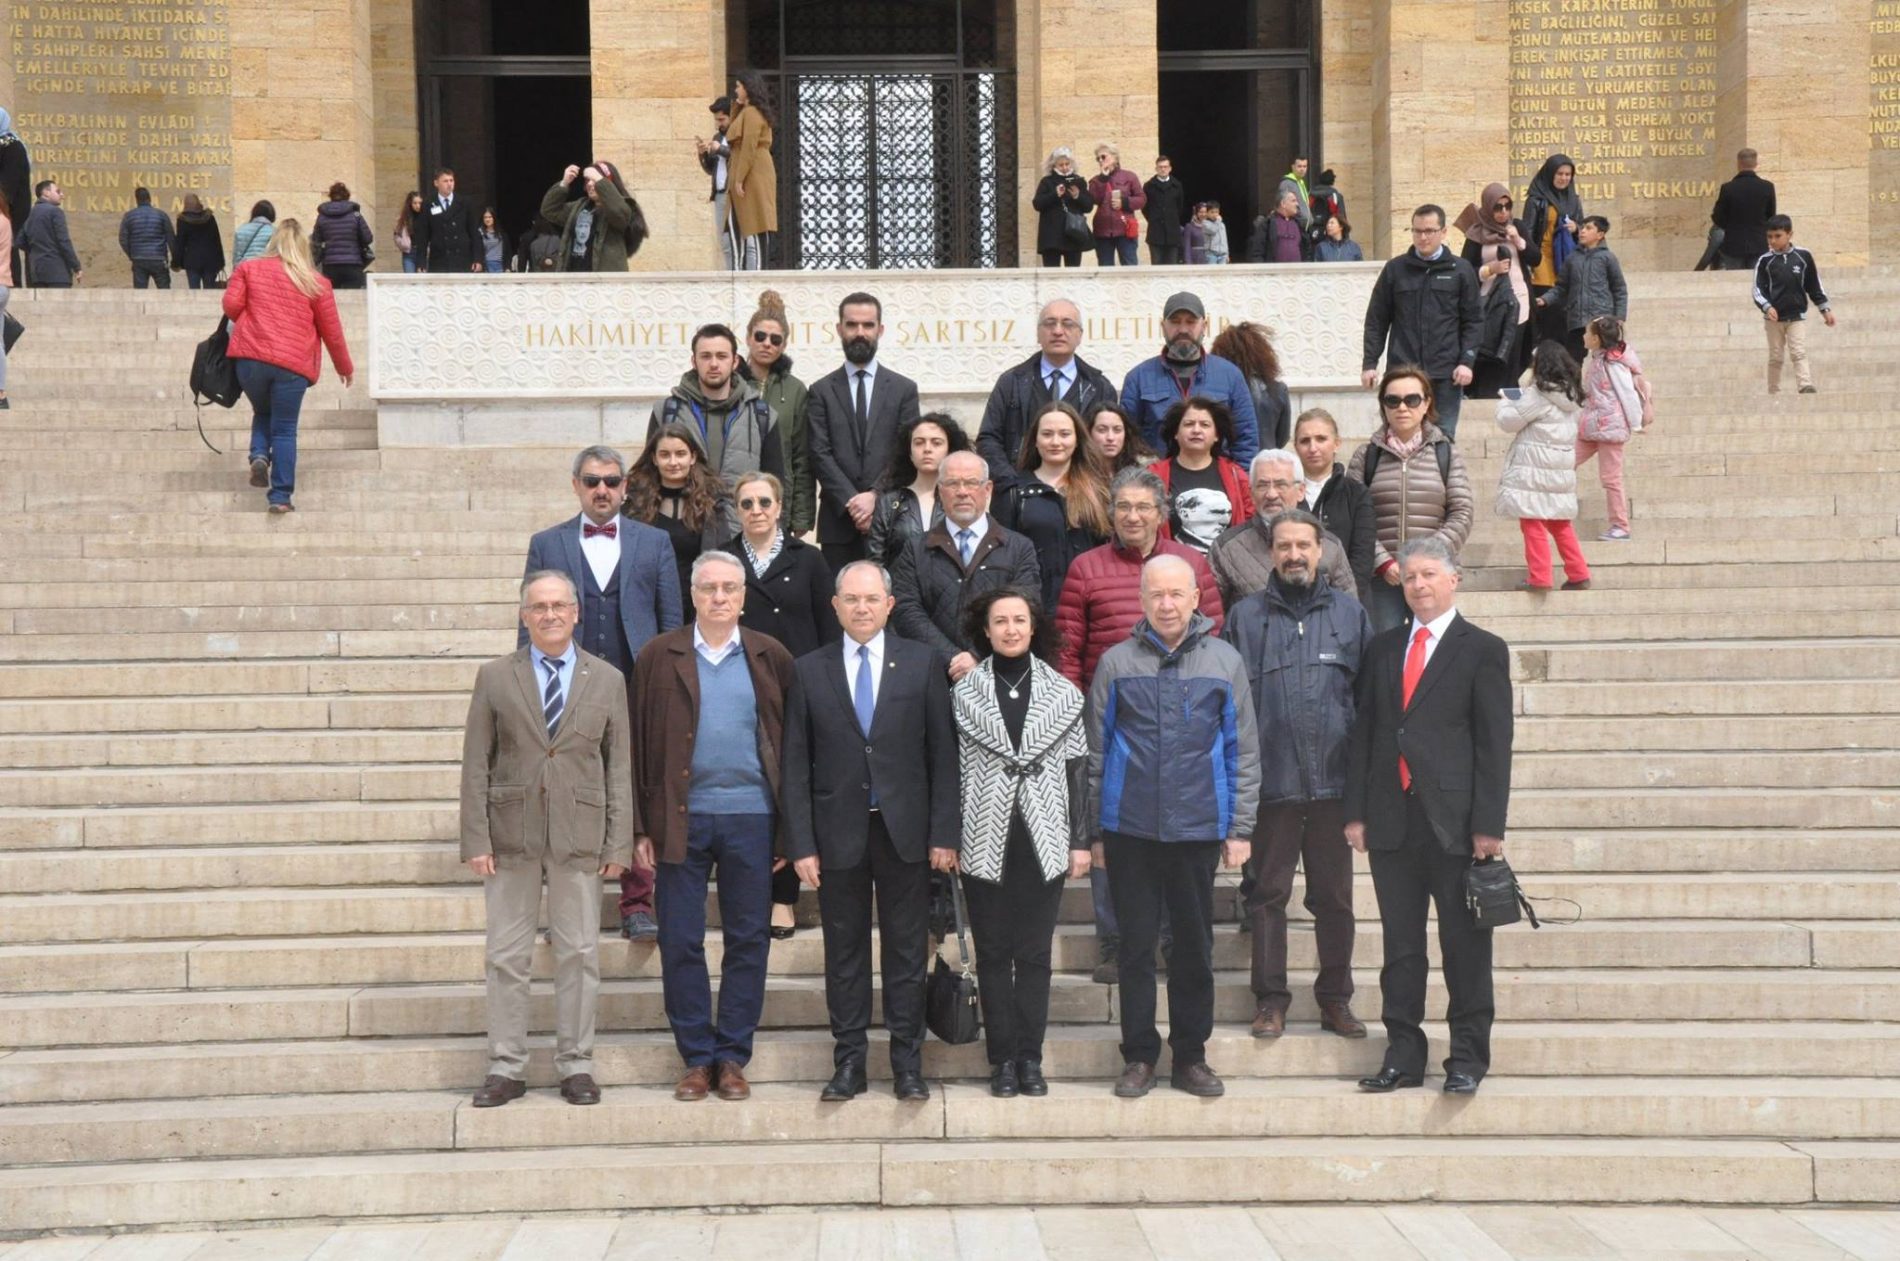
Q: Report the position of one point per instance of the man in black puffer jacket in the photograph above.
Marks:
(1426, 303)
(1020, 392)
(963, 555)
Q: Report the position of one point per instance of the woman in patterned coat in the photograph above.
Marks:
(1023, 752)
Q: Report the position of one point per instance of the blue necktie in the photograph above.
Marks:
(964, 537)
(551, 701)
(865, 700)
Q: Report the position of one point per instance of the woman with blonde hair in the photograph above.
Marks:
(282, 314)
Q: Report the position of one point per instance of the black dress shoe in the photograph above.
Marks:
(910, 1088)
(847, 1083)
(1390, 1079)
(497, 1090)
(1029, 1078)
(1003, 1080)
(1460, 1084)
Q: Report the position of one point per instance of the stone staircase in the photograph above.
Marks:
(240, 965)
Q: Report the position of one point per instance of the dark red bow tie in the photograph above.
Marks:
(610, 530)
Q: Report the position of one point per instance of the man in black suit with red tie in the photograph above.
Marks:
(1428, 781)
(871, 805)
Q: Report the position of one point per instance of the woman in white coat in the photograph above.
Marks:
(1023, 752)
(1539, 485)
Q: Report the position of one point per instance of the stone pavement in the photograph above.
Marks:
(1413, 1233)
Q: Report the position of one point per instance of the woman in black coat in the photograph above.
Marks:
(1062, 192)
(197, 247)
(907, 505)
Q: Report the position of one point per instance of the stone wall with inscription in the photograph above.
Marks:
(1883, 159)
(511, 360)
(1627, 88)
(114, 94)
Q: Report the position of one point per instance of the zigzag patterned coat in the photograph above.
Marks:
(1047, 778)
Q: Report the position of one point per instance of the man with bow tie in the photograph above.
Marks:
(629, 592)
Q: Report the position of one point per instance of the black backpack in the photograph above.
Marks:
(214, 377)
(1441, 450)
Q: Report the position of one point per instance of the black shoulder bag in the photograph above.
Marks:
(213, 376)
(1496, 899)
(950, 999)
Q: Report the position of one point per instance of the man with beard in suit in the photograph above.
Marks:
(852, 421)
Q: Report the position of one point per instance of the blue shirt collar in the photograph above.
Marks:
(566, 659)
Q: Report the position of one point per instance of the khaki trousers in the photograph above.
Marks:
(514, 908)
(1790, 336)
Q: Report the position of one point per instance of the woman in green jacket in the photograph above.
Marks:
(601, 224)
(771, 370)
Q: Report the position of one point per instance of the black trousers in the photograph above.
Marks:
(1408, 880)
(902, 893)
(1161, 255)
(1310, 834)
(1013, 924)
(345, 275)
(1144, 877)
(1062, 258)
(838, 555)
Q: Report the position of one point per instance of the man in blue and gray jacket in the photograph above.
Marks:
(146, 236)
(1174, 780)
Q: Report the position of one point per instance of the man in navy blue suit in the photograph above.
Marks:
(629, 591)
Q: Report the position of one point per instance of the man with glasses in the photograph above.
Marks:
(1242, 557)
(962, 556)
(547, 797)
(707, 731)
(1055, 373)
(1425, 310)
(628, 585)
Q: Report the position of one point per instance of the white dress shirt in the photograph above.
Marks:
(1437, 627)
(714, 655)
(602, 553)
(876, 645)
(851, 371)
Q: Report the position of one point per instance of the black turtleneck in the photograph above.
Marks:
(1019, 671)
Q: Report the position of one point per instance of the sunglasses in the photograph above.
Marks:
(1413, 401)
(765, 338)
(612, 482)
(761, 503)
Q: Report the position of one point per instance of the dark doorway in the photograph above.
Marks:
(505, 97)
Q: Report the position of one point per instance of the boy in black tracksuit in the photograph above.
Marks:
(1786, 280)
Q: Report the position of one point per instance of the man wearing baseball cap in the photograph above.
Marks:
(1183, 370)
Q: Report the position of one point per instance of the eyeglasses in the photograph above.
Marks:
(765, 338)
(1052, 324)
(611, 482)
(719, 588)
(544, 610)
(1426, 231)
(961, 483)
(1412, 401)
(1135, 510)
(1278, 485)
(761, 503)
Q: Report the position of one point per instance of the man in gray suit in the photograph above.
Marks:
(853, 417)
(547, 795)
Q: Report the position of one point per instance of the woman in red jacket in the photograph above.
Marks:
(1209, 492)
(280, 308)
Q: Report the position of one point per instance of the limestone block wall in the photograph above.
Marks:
(1346, 108)
(656, 65)
(397, 131)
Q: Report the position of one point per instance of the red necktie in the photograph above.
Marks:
(612, 528)
(1414, 667)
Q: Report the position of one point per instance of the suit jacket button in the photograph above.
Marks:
(682, 809)
(777, 610)
(867, 748)
(865, 787)
(550, 752)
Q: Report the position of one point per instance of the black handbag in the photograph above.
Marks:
(1076, 233)
(1493, 895)
(214, 377)
(950, 1008)
(13, 330)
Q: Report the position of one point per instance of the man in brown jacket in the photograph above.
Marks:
(546, 796)
(709, 728)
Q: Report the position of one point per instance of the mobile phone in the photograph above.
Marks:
(1511, 392)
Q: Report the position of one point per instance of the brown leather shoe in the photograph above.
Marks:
(1338, 1018)
(580, 1089)
(694, 1085)
(1197, 1079)
(732, 1082)
(1268, 1022)
(497, 1090)
(1137, 1079)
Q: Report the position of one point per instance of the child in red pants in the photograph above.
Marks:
(1539, 485)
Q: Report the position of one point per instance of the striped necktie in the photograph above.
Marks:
(551, 701)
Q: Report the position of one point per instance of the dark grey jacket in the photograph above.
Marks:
(1301, 663)
(50, 257)
(932, 586)
(1591, 284)
(1429, 310)
(1016, 396)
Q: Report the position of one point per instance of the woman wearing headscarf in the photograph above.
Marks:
(1552, 210)
(1496, 249)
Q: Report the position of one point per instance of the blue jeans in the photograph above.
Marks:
(409, 264)
(740, 846)
(1448, 397)
(493, 265)
(1109, 249)
(276, 396)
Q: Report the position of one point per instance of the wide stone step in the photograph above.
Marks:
(1836, 768)
(116, 680)
(1714, 698)
(1695, 733)
(241, 645)
(211, 617)
(918, 1172)
(1521, 1050)
(1298, 1107)
(227, 724)
(297, 824)
(1611, 808)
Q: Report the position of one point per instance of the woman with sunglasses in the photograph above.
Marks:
(770, 368)
(671, 488)
(1417, 483)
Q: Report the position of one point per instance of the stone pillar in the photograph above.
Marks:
(1085, 73)
(397, 129)
(656, 67)
(1346, 107)
(1792, 84)
(303, 105)
(1440, 112)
